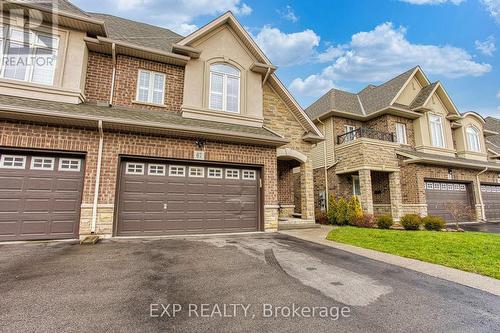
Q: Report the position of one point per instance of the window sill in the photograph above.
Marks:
(149, 104)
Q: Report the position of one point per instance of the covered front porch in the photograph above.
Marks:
(378, 191)
(295, 189)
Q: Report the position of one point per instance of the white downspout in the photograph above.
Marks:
(112, 92)
(97, 179)
(326, 167)
(480, 195)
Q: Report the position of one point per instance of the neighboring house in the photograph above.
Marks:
(493, 141)
(403, 147)
(136, 130)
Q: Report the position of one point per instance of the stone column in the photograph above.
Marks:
(365, 182)
(395, 193)
(307, 190)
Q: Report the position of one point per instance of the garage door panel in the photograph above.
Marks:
(39, 204)
(195, 203)
(11, 183)
(439, 194)
(491, 200)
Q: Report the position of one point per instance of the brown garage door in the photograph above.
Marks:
(162, 198)
(40, 196)
(440, 194)
(491, 200)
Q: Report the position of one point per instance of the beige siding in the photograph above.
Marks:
(410, 92)
(319, 150)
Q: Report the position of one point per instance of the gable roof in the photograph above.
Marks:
(374, 99)
(382, 96)
(61, 5)
(138, 33)
(229, 19)
(423, 96)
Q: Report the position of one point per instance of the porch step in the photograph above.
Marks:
(294, 225)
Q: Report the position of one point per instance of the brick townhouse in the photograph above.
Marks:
(403, 147)
(132, 129)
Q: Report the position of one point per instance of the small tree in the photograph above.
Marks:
(459, 212)
(332, 209)
(342, 212)
(354, 209)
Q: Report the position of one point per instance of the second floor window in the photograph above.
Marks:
(436, 128)
(150, 87)
(28, 55)
(401, 133)
(349, 131)
(224, 88)
(473, 139)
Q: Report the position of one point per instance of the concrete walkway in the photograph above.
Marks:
(472, 280)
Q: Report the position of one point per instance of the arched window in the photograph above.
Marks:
(473, 139)
(224, 88)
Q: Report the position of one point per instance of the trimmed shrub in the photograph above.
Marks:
(354, 209)
(411, 222)
(342, 212)
(433, 223)
(321, 218)
(332, 209)
(363, 221)
(385, 222)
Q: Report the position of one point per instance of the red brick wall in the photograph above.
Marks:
(56, 138)
(86, 141)
(99, 74)
(286, 182)
(380, 187)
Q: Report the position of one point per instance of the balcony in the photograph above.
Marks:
(365, 132)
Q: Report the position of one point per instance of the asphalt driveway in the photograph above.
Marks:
(489, 227)
(125, 285)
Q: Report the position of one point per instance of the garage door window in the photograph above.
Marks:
(12, 162)
(156, 169)
(177, 171)
(42, 163)
(198, 172)
(232, 174)
(214, 173)
(249, 174)
(135, 169)
(69, 164)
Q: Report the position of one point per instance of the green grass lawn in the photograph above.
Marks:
(468, 251)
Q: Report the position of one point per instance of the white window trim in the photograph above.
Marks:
(179, 167)
(128, 172)
(441, 127)
(52, 163)
(3, 166)
(196, 168)
(28, 76)
(70, 160)
(476, 135)
(404, 140)
(253, 174)
(216, 177)
(354, 177)
(157, 165)
(232, 170)
(150, 87)
(224, 88)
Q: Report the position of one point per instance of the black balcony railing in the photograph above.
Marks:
(365, 132)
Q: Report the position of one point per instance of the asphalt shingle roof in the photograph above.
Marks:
(138, 33)
(423, 95)
(62, 5)
(369, 100)
(127, 114)
(442, 158)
